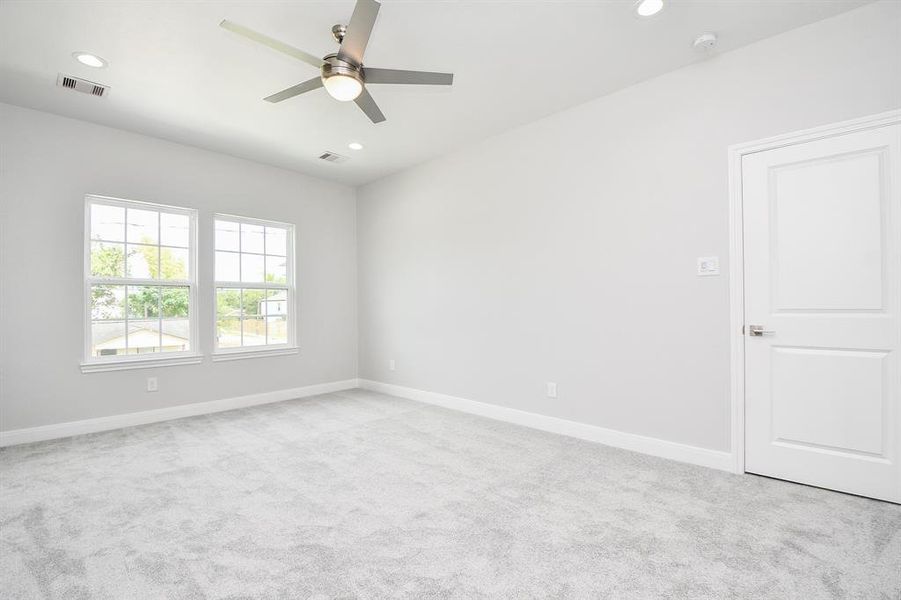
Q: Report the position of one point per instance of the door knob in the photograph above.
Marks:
(758, 330)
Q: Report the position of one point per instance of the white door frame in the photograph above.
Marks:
(737, 258)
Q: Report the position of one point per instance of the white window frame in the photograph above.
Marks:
(93, 364)
(221, 354)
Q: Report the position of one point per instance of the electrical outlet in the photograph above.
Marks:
(391, 365)
(153, 385)
(551, 389)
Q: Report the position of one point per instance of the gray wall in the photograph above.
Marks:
(565, 250)
(48, 164)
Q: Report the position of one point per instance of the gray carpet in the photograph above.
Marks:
(361, 495)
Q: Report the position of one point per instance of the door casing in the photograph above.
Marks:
(737, 258)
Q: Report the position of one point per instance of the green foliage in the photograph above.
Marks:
(104, 303)
(230, 304)
(252, 300)
(147, 302)
(169, 266)
(107, 261)
(174, 302)
(142, 301)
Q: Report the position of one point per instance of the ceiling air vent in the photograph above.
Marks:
(81, 85)
(332, 157)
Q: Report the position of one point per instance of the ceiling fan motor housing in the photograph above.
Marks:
(332, 65)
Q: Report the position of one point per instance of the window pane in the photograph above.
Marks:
(107, 302)
(107, 260)
(136, 241)
(254, 302)
(227, 266)
(276, 241)
(174, 263)
(176, 335)
(107, 338)
(142, 226)
(228, 303)
(174, 302)
(251, 238)
(143, 262)
(174, 230)
(143, 302)
(226, 235)
(143, 337)
(107, 223)
(228, 332)
(252, 268)
(254, 331)
(276, 269)
(277, 330)
(276, 303)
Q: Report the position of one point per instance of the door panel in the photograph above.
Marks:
(826, 250)
(822, 238)
(829, 398)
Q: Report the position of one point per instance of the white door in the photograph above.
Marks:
(822, 244)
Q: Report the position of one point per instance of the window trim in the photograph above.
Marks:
(242, 352)
(94, 364)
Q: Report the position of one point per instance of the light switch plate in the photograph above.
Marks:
(551, 389)
(708, 266)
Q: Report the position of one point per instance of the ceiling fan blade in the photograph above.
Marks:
(373, 75)
(358, 31)
(272, 43)
(295, 90)
(368, 106)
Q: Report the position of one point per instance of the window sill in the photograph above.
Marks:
(261, 353)
(143, 363)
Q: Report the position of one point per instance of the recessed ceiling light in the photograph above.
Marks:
(355, 146)
(90, 60)
(648, 8)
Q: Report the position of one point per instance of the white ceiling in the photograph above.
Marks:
(175, 74)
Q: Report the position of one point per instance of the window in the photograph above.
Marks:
(140, 284)
(254, 273)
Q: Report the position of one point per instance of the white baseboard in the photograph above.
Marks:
(715, 459)
(62, 430)
(629, 441)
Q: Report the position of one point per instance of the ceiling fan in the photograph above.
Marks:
(342, 73)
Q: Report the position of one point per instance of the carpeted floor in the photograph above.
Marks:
(361, 495)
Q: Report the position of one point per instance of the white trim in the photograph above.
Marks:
(244, 352)
(705, 457)
(62, 430)
(125, 364)
(736, 313)
(737, 259)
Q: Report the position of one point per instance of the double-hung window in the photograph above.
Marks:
(254, 273)
(140, 284)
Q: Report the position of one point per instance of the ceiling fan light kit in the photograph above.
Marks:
(341, 79)
(342, 73)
